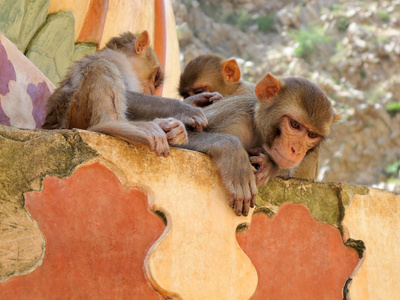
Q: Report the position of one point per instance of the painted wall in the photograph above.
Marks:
(54, 33)
(85, 215)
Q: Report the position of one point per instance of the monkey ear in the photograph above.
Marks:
(268, 87)
(336, 117)
(142, 43)
(231, 71)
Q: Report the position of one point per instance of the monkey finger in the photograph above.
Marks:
(203, 102)
(161, 145)
(216, 97)
(256, 160)
(246, 206)
(239, 201)
(177, 136)
(254, 151)
(199, 124)
(247, 199)
(173, 123)
(253, 191)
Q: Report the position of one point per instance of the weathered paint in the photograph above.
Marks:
(97, 235)
(26, 157)
(375, 219)
(78, 8)
(52, 48)
(20, 19)
(92, 28)
(198, 256)
(18, 76)
(7, 74)
(326, 201)
(39, 95)
(297, 257)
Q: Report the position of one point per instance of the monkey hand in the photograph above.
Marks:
(239, 180)
(174, 129)
(203, 99)
(264, 168)
(154, 136)
(192, 117)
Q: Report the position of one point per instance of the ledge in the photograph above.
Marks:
(89, 205)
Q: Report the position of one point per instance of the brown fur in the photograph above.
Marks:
(241, 123)
(100, 92)
(213, 73)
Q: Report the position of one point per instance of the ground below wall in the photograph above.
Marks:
(85, 215)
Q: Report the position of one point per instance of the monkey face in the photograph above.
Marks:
(289, 148)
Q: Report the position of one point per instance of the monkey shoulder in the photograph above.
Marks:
(231, 114)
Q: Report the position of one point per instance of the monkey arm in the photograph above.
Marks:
(148, 107)
(203, 99)
(231, 159)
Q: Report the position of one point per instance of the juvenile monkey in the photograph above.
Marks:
(213, 73)
(102, 91)
(286, 119)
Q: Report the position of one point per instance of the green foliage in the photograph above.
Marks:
(342, 24)
(393, 168)
(393, 107)
(265, 23)
(211, 9)
(383, 15)
(241, 18)
(308, 40)
(244, 19)
(363, 74)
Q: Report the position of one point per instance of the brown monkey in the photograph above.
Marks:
(213, 73)
(287, 120)
(102, 91)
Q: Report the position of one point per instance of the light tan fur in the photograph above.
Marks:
(213, 73)
(256, 124)
(102, 90)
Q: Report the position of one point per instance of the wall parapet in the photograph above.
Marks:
(78, 208)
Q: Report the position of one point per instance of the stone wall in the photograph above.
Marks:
(85, 215)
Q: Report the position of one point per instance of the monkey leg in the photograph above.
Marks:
(231, 159)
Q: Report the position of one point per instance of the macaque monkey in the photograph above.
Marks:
(285, 122)
(213, 73)
(111, 92)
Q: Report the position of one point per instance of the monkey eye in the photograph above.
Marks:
(294, 124)
(312, 135)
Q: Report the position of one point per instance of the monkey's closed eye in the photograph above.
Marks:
(198, 91)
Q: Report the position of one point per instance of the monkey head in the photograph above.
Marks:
(210, 73)
(293, 116)
(142, 58)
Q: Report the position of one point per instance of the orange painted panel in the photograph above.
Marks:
(92, 29)
(297, 257)
(160, 34)
(97, 235)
